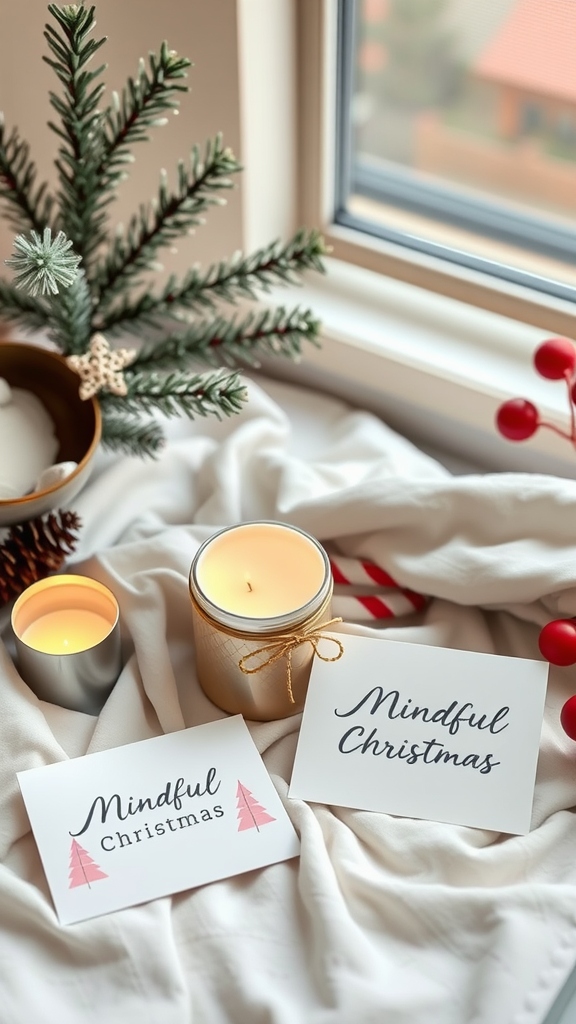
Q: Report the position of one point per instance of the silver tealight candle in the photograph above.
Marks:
(67, 638)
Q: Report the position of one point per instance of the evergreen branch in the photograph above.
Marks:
(130, 436)
(25, 209)
(70, 317)
(81, 215)
(169, 217)
(242, 276)
(141, 105)
(93, 152)
(19, 308)
(172, 394)
(266, 332)
(125, 122)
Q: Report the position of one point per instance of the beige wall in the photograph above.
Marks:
(133, 28)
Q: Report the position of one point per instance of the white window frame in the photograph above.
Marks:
(431, 347)
(317, 79)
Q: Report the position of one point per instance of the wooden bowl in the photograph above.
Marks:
(77, 423)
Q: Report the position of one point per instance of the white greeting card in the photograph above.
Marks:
(128, 825)
(424, 732)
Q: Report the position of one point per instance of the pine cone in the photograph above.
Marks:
(35, 549)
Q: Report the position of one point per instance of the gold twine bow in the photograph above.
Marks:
(282, 646)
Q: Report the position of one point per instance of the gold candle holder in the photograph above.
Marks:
(67, 638)
(261, 595)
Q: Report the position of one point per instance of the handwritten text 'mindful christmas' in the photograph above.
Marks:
(172, 796)
(359, 739)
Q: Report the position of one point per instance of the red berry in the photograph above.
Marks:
(557, 642)
(517, 419)
(568, 717)
(555, 358)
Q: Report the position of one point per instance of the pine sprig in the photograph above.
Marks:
(80, 216)
(140, 107)
(241, 277)
(25, 209)
(168, 218)
(70, 316)
(94, 152)
(19, 308)
(266, 332)
(131, 436)
(179, 392)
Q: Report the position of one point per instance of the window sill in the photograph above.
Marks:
(434, 368)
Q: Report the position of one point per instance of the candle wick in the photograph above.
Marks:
(249, 586)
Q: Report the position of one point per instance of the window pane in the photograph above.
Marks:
(458, 128)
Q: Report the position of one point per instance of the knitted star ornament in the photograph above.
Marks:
(101, 367)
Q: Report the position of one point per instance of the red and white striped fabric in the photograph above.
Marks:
(389, 602)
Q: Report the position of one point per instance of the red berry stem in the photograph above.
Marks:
(558, 430)
(568, 379)
(518, 419)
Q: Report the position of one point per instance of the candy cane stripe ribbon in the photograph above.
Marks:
(391, 601)
(353, 570)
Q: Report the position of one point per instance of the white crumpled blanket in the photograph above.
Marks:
(382, 919)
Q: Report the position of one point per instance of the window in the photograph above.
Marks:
(431, 345)
(453, 145)
(448, 136)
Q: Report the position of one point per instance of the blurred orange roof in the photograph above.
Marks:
(535, 49)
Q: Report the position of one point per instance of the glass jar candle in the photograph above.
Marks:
(261, 595)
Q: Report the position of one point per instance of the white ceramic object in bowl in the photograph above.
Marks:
(77, 423)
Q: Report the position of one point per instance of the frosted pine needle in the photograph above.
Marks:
(41, 264)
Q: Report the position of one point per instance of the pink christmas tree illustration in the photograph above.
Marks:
(251, 814)
(83, 870)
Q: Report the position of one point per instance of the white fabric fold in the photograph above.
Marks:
(381, 918)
